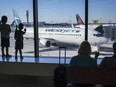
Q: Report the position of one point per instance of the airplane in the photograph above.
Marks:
(61, 36)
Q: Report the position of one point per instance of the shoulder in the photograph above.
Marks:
(74, 57)
(91, 59)
(7, 25)
(108, 61)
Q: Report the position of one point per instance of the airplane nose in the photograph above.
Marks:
(104, 40)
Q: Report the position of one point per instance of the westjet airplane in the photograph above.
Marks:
(58, 36)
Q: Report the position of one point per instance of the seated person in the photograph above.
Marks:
(110, 61)
(84, 59)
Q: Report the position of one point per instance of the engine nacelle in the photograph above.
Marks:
(45, 42)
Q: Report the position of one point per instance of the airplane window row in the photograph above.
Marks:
(69, 34)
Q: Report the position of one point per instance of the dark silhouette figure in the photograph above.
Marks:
(110, 61)
(84, 59)
(19, 40)
(5, 36)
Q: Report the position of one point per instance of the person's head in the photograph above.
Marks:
(20, 26)
(4, 19)
(85, 48)
(114, 48)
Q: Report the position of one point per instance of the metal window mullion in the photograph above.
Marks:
(35, 22)
(86, 20)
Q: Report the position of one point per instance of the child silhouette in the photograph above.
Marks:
(19, 39)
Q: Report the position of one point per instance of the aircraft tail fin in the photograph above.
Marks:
(17, 20)
(79, 20)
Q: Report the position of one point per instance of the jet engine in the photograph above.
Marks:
(45, 42)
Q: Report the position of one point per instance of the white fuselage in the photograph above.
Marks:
(68, 35)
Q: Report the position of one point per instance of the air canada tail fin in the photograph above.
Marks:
(17, 20)
(79, 20)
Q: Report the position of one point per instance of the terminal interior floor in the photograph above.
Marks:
(29, 72)
(43, 59)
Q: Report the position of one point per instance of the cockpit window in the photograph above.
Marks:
(98, 35)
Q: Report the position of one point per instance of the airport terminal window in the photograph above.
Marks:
(58, 16)
(102, 13)
(19, 11)
(61, 14)
(52, 14)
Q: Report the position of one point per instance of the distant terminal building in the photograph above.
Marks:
(108, 29)
(110, 32)
(44, 24)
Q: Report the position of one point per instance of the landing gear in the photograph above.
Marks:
(95, 48)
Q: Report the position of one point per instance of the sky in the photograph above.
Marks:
(59, 11)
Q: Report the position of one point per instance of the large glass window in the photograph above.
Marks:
(62, 23)
(19, 11)
(102, 15)
(57, 26)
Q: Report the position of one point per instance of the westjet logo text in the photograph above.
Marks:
(62, 30)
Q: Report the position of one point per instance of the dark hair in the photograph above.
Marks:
(114, 46)
(85, 48)
(20, 25)
(4, 19)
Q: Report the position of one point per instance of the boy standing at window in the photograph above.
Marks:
(5, 36)
(19, 39)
